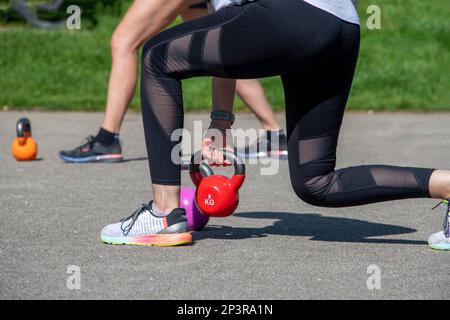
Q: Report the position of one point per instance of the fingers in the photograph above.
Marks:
(214, 143)
(219, 159)
(215, 157)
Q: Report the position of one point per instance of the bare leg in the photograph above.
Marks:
(253, 95)
(143, 20)
(166, 198)
(440, 184)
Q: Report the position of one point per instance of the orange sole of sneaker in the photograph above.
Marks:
(158, 240)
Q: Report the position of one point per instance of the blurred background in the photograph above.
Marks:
(403, 66)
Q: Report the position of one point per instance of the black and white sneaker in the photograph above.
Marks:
(144, 228)
(93, 151)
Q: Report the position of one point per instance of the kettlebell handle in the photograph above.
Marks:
(199, 169)
(23, 128)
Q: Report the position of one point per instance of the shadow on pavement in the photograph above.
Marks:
(316, 226)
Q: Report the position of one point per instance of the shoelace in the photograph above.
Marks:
(87, 142)
(133, 217)
(446, 218)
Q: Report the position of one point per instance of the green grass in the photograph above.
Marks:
(406, 64)
(403, 66)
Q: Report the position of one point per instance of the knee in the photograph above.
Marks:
(153, 55)
(314, 190)
(122, 43)
(306, 194)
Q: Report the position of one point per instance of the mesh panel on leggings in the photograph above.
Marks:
(320, 184)
(177, 54)
(335, 187)
(393, 177)
(161, 98)
(316, 148)
(318, 157)
(211, 52)
(175, 57)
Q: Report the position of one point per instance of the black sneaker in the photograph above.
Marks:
(267, 146)
(93, 151)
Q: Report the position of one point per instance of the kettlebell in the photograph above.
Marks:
(195, 219)
(217, 195)
(24, 147)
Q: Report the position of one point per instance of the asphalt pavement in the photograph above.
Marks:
(274, 247)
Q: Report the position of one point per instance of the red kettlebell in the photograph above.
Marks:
(217, 195)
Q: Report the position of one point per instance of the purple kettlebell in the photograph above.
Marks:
(196, 220)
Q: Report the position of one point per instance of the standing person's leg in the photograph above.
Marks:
(254, 96)
(143, 20)
(273, 142)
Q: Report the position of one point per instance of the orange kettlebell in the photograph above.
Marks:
(217, 195)
(24, 147)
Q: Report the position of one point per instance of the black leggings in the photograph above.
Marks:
(314, 52)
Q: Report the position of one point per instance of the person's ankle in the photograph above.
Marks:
(162, 212)
(106, 137)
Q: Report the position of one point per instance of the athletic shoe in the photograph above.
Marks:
(264, 147)
(441, 240)
(143, 228)
(93, 151)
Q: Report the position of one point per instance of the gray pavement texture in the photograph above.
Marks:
(274, 247)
